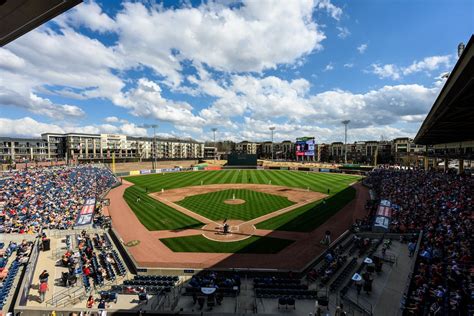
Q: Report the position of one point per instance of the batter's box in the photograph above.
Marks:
(234, 228)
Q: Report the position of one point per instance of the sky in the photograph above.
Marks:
(301, 66)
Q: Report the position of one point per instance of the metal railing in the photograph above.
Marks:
(69, 296)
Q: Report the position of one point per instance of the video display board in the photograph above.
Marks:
(305, 146)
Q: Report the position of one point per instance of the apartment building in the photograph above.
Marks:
(247, 147)
(18, 149)
(82, 146)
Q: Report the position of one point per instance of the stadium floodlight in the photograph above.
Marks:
(154, 126)
(345, 122)
(214, 129)
(272, 128)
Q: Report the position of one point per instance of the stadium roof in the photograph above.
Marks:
(451, 118)
(18, 17)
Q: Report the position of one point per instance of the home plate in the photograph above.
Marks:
(238, 230)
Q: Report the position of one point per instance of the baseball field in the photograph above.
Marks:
(248, 201)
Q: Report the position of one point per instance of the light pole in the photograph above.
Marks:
(214, 129)
(154, 126)
(272, 128)
(345, 122)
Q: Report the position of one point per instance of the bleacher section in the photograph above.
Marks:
(150, 284)
(278, 287)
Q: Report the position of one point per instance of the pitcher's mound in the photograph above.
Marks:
(237, 230)
(234, 201)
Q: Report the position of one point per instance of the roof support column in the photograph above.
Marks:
(461, 166)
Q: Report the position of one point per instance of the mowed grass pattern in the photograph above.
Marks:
(319, 182)
(212, 206)
(199, 243)
(310, 216)
(157, 216)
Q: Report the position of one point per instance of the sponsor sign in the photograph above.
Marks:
(145, 171)
(134, 172)
(212, 168)
(86, 213)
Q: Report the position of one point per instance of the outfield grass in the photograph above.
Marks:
(155, 215)
(212, 206)
(199, 243)
(310, 216)
(319, 182)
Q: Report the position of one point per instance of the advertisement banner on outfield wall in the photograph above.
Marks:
(260, 168)
(324, 170)
(158, 171)
(212, 168)
(145, 171)
(170, 169)
(134, 172)
(283, 168)
(195, 169)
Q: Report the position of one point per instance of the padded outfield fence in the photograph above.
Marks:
(209, 168)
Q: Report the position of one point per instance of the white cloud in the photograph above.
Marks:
(362, 48)
(252, 37)
(428, 64)
(88, 14)
(28, 127)
(348, 65)
(146, 101)
(328, 67)
(386, 71)
(10, 61)
(38, 105)
(111, 119)
(343, 32)
(334, 11)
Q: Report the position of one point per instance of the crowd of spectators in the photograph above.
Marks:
(440, 205)
(48, 197)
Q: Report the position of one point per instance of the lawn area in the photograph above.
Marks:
(319, 182)
(310, 216)
(155, 215)
(199, 243)
(212, 206)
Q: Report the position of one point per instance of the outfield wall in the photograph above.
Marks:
(209, 168)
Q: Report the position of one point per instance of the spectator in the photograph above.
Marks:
(43, 288)
(48, 197)
(43, 277)
(90, 302)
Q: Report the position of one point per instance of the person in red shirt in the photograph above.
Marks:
(43, 288)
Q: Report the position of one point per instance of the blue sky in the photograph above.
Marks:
(240, 66)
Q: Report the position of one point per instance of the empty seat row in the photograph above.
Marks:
(127, 289)
(281, 286)
(224, 291)
(276, 280)
(119, 264)
(170, 278)
(336, 284)
(8, 283)
(275, 293)
(148, 283)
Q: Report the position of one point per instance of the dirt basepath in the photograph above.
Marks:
(296, 195)
(152, 253)
(241, 230)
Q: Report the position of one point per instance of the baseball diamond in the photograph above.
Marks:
(198, 203)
